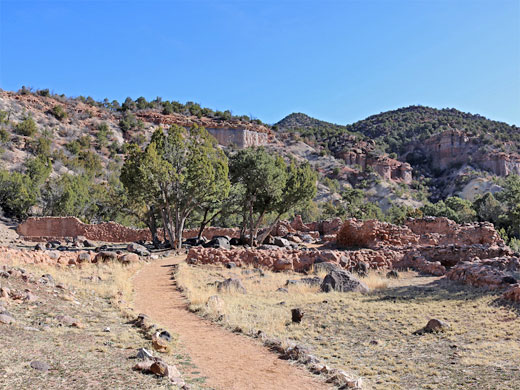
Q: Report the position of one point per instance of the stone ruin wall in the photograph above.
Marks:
(49, 228)
(293, 259)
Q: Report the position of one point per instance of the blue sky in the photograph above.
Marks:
(335, 60)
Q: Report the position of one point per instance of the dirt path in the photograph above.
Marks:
(229, 361)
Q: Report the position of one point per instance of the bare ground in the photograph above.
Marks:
(228, 361)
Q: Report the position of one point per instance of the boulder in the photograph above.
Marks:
(40, 366)
(129, 258)
(281, 242)
(6, 319)
(325, 267)
(144, 354)
(160, 344)
(84, 257)
(435, 325)
(283, 265)
(315, 281)
(218, 242)
(138, 249)
(342, 281)
(296, 315)
(231, 284)
(105, 256)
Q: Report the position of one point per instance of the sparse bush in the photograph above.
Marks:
(27, 127)
(4, 135)
(103, 134)
(129, 123)
(43, 92)
(59, 112)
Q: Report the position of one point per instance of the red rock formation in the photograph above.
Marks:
(455, 147)
(388, 168)
(240, 133)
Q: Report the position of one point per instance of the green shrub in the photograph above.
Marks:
(27, 127)
(59, 112)
(4, 135)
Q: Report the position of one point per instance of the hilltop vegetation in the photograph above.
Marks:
(64, 156)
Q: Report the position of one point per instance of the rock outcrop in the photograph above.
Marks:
(453, 147)
(388, 168)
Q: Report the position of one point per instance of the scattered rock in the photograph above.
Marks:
(66, 320)
(393, 274)
(138, 249)
(144, 354)
(304, 281)
(281, 242)
(283, 265)
(84, 257)
(282, 290)
(296, 315)
(218, 242)
(231, 284)
(40, 366)
(342, 281)
(30, 297)
(160, 344)
(324, 266)
(129, 258)
(362, 268)
(433, 326)
(230, 265)
(162, 369)
(105, 256)
(164, 334)
(6, 319)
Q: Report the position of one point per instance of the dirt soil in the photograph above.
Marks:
(229, 361)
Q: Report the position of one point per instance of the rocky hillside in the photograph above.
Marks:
(454, 151)
(399, 158)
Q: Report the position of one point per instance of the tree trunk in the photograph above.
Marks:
(269, 230)
(202, 225)
(167, 228)
(251, 228)
(152, 225)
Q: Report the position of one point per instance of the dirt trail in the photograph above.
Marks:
(229, 361)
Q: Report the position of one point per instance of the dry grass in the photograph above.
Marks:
(372, 335)
(86, 358)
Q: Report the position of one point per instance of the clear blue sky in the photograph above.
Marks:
(336, 60)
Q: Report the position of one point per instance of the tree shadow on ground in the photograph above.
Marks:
(438, 290)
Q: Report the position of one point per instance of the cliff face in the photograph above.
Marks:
(388, 168)
(455, 147)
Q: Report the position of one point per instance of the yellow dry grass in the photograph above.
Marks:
(108, 280)
(372, 334)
